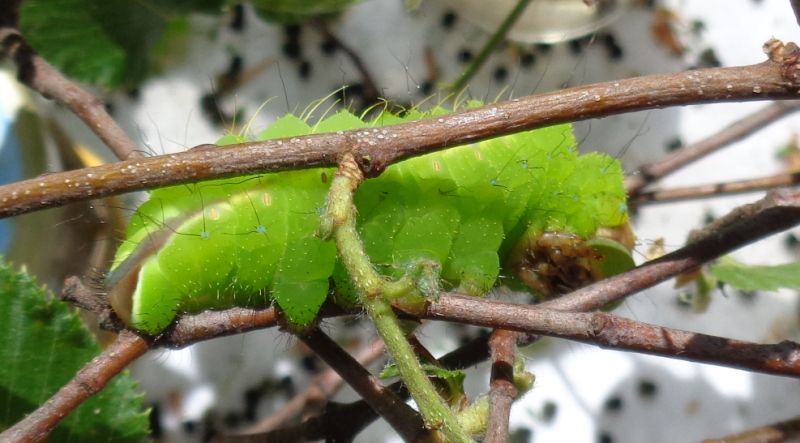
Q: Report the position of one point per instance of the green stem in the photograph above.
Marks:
(340, 221)
(498, 36)
(435, 412)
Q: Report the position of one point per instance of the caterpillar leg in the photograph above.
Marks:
(418, 285)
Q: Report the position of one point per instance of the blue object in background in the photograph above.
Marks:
(10, 169)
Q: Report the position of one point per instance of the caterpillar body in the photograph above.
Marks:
(251, 240)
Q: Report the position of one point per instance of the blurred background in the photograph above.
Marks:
(244, 66)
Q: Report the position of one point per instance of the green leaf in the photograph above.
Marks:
(43, 345)
(757, 277)
(108, 43)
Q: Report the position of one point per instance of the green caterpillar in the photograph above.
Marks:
(251, 240)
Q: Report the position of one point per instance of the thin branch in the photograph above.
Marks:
(87, 382)
(615, 332)
(190, 329)
(736, 131)
(768, 80)
(41, 76)
(392, 408)
(503, 391)
(788, 430)
(343, 422)
(496, 38)
(715, 190)
(319, 391)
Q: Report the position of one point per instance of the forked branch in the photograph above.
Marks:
(400, 416)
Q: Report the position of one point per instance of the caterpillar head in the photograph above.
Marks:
(555, 263)
(133, 274)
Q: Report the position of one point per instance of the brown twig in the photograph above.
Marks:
(788, 430)
(615, 332)
(41, 76)
(87, 382)
(376, 149)
(716, 189)
(343, 422)
(503, 391)
(392, 408)
(318, 392)
(190, 329)
(736, 131)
